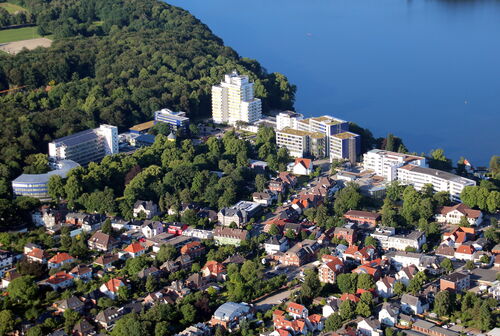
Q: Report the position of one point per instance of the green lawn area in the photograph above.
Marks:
(12, 8)
(18, 34)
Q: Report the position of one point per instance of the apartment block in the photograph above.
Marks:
(385, 163)
(86, 146)
(297, 142)
(345, 145)
(440, 180)
(233, 100)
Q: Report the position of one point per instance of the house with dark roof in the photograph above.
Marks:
(101, 241)
(275, 244)
(106, 260)
(81, 272)
(147, 209)
(301, 253)
(456, 281)
(385, 287)
(411, 304)
(72, 303)
(228, 236)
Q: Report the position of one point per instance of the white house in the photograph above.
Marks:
(59, 260)
(301, 166)
(148, 208)
(151, 228)
(388, 315)
(406, 274)
(331, 306)
(411, 304)
(369, 327)
(275, 244)
(403, 259)
(454, 214)
(385, 287)
(60, 280)
(296, 310)
(110, 288)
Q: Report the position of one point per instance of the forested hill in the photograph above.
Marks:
(113, 61)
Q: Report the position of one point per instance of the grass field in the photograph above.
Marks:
(18, 34)
(12, 8)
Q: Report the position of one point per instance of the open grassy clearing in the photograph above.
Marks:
(12, 8)
(18, 34)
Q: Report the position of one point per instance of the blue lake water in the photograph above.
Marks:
(426, 70)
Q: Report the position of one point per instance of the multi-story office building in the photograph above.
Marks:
(36, 185)
(345, 145)
(323, 136)
(385, 163)
(440, 180)
(302, 143)
(86, 146)
(233, 100)
(288, 119)
(174, 119)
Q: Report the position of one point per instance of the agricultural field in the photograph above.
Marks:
(12, 8)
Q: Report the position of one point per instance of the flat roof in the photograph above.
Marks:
(345, 135)
(142, 127)
(292, 131)
(435, 172)
(63, 169)
(329, 120)
(77, 138)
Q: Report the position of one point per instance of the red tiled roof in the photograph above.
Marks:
(114, 284)
(59, 277)
(60, 257)
(214, 267)
(305, 162)
(363, 214)
(134, 248)
(295, 307)
(351, 297)
(37, 253)
(465, 249)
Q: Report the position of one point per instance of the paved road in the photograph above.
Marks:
(268, 302)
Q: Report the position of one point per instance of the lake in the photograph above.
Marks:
(427, 71)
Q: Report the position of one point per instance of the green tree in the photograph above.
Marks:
(151, 283)
(333, 322)
(347, 309)
(35, 331)
(469, 265)
(273, 230)
(347, 282)
(347, 198)
(389, 143)
(106, 227)
(439, 161)
(166, 252)
(416, 283)
(260, 182)
(447, 265)
(311, 285)
(7, 322)
(70, 319)
(129, 325)
(188, 314)
(485, 318)
(23, 289)
(442, 303)
(365, 281)
(290, 234)
(370, 241)
(124, 293)
(55, 187)
(399, 288)
(388, 214)
(363, 309)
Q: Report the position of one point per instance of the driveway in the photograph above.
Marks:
(270, 301)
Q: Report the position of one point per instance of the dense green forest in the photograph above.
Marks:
(117, 62)
(113, 61)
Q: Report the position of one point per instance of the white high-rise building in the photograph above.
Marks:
(233, 100)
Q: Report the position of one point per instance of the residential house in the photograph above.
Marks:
(145, 209)
(363, 217)
(151, 228)
(229, 315)
(111, 287)
(406, 274)
(347, 234)
(177, 289)
(367, 268)
(83, 328)
(160, 297)
(328, 271)
(301, 166)
(109, 316)
(133, 250)
(454, 214)
(402, 259)
(411, 304)
(198, 233)
(240, 213)
(214, 270)
(362, 255)
(59, 260)
(294, 326)
(385, 287)
(6, 261)
(429, 328)
(266, 197)
(456, 281)
(388, 314)
(297, 310)
(369, 327)
(193, 249)
(388, 240)
(196, 281)
(106, 260)
(465, 252)
(9, 276)
(37, 255)
(445, 251)
(101, 241)
(147, 271)
(301, 253)
(458, 236)
(347, 296)
(198, 329)
(228, 236)
(332, 306)
(276, 244)
(89, 221)
(60, 280)
(290, 180)
(81, 272)
(72, 303)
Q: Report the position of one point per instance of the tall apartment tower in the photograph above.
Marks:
(233, 100)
